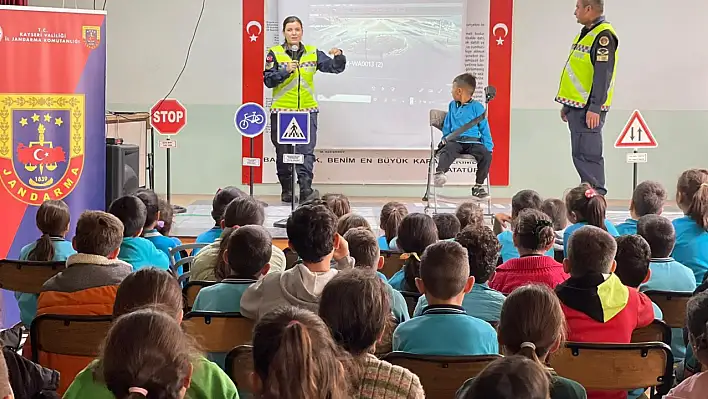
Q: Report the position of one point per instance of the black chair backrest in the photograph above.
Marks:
(411, 300)
(27, 276)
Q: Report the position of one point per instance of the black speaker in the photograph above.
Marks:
(122, 163)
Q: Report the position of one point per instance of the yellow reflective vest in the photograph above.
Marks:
(302, 80)
(577, 76)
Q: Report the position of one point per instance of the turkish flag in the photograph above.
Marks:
(40, 155)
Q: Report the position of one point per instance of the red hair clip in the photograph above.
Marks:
(589, 193)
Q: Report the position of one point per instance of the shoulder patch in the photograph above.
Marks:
(604, 41)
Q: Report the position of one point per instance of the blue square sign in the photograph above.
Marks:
(293, 128)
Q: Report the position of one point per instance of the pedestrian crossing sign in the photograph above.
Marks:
(293, 128)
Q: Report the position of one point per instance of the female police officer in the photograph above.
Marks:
(290, 70)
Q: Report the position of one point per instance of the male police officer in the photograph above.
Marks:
(586, 90)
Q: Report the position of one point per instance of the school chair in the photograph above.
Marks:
(657, 331)
(218, 332)
(27, 276)
(441, 376)
(239, 365)
(392, 262)
(672, 305)
(185, 261)
(68, 335)
(411, 300)
(616, 367)
(192, 288)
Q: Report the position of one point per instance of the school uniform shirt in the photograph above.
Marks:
(628, 227)
(482, 302)
(140, 253)
(525, 270)
(164, 244)
(508, 250)
(561, 388)
(397, 281)
(399, 308)
(383, 243)
(445, 330)
(459, 114)
(208, 382)
(691, 247)
(693, 387)
(28, 302)
(571, 229)
(205, 262)
(208, 237)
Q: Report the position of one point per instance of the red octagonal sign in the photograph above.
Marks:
(168, 117)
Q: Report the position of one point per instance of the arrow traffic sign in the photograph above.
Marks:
(636, 134)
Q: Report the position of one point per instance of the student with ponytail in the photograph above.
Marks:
(586, 207)
(392, 215)
(417, 232)
(532, 325)
(510, 377)
(691, 247)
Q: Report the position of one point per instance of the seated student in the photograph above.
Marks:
(691, 247)
(355, 306)
(475, 141)
(447, 224)
(242, 211)
(469, 214)
(294, 356)
(87, 286)
(695, 386)
(25, 378)
(533, 325)
(365, 251)
(53, 221)
(152, 288)
(691, 365)
(351, 221)
(648, 199)
(222, 198)
(166, 219)
(482, 253)
(444, 280)
(666, 273)
(416, 233)
(392, 215)
(338, 204)
(152, 216)
(312, 235)
(586, 207)
(524, 199)
(633, 258)
(555, 209)
(509, 378)
(597, 306)
(533, 237)
(136, 250)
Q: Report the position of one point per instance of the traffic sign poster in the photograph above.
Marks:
(294, 128)
(250, 120)
(168, 116)
(636, 134)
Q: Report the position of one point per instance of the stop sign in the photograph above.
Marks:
(168, 117)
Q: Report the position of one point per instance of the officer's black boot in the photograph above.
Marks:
(306, 191)
(286, 193)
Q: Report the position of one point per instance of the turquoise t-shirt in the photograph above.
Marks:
(482, 302)
(396, 281)
(207, 237)
(571, 229)
(140, 252)
(691, 247)
(383, 244)
(508, 250)
(164, 244)
(445, 330)
(628, 227)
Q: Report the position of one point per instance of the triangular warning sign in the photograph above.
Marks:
(293, 131)
(636, 134)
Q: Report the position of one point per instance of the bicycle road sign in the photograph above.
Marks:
(250, 119)
(294, 128)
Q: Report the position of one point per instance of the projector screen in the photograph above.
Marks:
(401, 58)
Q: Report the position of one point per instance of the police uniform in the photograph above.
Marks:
(587, 84)
(295, 91)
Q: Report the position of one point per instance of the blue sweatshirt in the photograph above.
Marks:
(459, 114)
(140, 252)
(691, 247)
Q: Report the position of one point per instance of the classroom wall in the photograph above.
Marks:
(663, 74)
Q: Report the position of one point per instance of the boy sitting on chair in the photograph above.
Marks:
(475, 139)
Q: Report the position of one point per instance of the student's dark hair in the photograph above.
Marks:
(295, 357)
(355, 305)
(467, 81)
(392, 215)
(659, 233)
(166, 216)
(290, 20)
(131, 212)
(525, 199)
(469, 214)
(338, 204)
(510, 377)
(222, 198)
(248, 249)
(53, 218)
(531, 313)
(692, 195)
(221, 269)
(417, 232)
(149, 287)
(587, 205)
(533, 230)
(555, 209)
(351, 221)
(444, 269)
(311, 230)
(152, 205)
(633, 258)
(483, 249)
(146, 349)
(697, 323)
(98, 233)
(244, 211)
(363, 247)
(447, 224)
(591, 250)
(648, 198)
